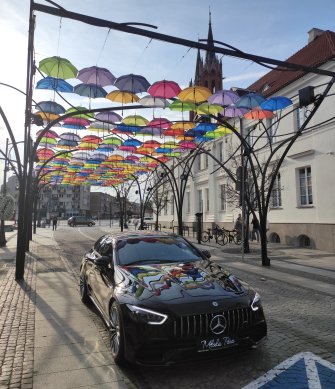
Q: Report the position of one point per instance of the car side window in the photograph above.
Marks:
(106, 248)
(98, 243)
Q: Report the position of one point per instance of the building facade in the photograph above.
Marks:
(302, 207)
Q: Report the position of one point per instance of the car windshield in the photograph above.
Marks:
(155, 249)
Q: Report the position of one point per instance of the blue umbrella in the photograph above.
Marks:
(132, 82)
(50, 107)
(250, 100)
(90, 90)
(56, 84)
(275, 103)
(205, 127)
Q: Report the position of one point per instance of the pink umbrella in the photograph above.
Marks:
(159, 123)
(259, 114)
(165, 89)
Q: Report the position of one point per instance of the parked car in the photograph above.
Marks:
(80, 220)
(163, 300)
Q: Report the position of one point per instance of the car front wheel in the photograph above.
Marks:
(90, 224)
(83, 290)
(116, 333)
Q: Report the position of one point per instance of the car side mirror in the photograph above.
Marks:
(102, 261)
(206, 253)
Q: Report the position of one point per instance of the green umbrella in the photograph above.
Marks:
(58, 67)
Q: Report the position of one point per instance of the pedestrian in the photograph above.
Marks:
(255, 229)
(238, 225)
(54, 223)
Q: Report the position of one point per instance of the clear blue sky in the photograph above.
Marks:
(275, 29)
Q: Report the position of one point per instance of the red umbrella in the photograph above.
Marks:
(165, 89)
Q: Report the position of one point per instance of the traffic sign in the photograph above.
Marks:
(304, 370)
(7, 207)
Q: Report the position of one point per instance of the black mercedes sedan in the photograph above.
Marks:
(164, 300)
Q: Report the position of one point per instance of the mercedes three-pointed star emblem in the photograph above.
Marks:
(218, 324)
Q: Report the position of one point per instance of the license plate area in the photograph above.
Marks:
(215, 343)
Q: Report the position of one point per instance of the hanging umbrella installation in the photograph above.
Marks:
(164, 89)
(92, 91)
(96, 75)
(58, 67)
(56, 84)
(134, 83)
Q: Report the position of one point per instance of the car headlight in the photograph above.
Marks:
(256, 302)
(146, 315)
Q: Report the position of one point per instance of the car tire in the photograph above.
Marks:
(90, 224)
(116, 337)
(84, 296)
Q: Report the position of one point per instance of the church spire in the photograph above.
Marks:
(210, 55)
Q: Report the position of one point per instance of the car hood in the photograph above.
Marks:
(176, 281)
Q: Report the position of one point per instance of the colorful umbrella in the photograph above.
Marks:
(233, 112)
(179, 105)
(135, 120)
(208, 109)
(76, 121)
(250, 100)
(56, 84)
(50, 107)
(78, 114)
(58, 67)
(123, 97)
(153, 102)
(92, 91)
(134, 83)
(153, 131)
(160, 123)
(276, 103)
(96, 75)
(223, 97)
(165, 89)
(109, 117)
(258, 114)
(195, 94)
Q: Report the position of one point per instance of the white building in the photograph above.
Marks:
(302, 211)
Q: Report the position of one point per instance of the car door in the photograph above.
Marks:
(92, 270)
(105, 276)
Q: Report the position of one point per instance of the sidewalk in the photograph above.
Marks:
(48, 338)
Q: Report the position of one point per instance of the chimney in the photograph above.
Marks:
(313, 34)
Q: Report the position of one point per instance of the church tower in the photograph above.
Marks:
(208, 71)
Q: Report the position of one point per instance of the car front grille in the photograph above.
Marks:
(199, 325)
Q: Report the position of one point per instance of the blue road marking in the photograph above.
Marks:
(302, 371)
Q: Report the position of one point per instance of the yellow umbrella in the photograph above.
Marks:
(195, 94)
(135, 120)
(123, 97)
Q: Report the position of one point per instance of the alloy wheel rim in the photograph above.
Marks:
(114, 330)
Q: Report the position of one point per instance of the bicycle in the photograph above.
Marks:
(218, 234)
(233, 236)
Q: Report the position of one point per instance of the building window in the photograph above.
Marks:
(200, 201)
(305, 186)
(276, 193)
(206, 161)
(207, 199)
(172, 205)
(188, 202)
(220, 154)
(223, 199)
(302, 114)
(165, 206)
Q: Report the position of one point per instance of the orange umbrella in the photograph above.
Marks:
(258, 114)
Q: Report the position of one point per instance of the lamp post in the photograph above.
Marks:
(3, 240)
